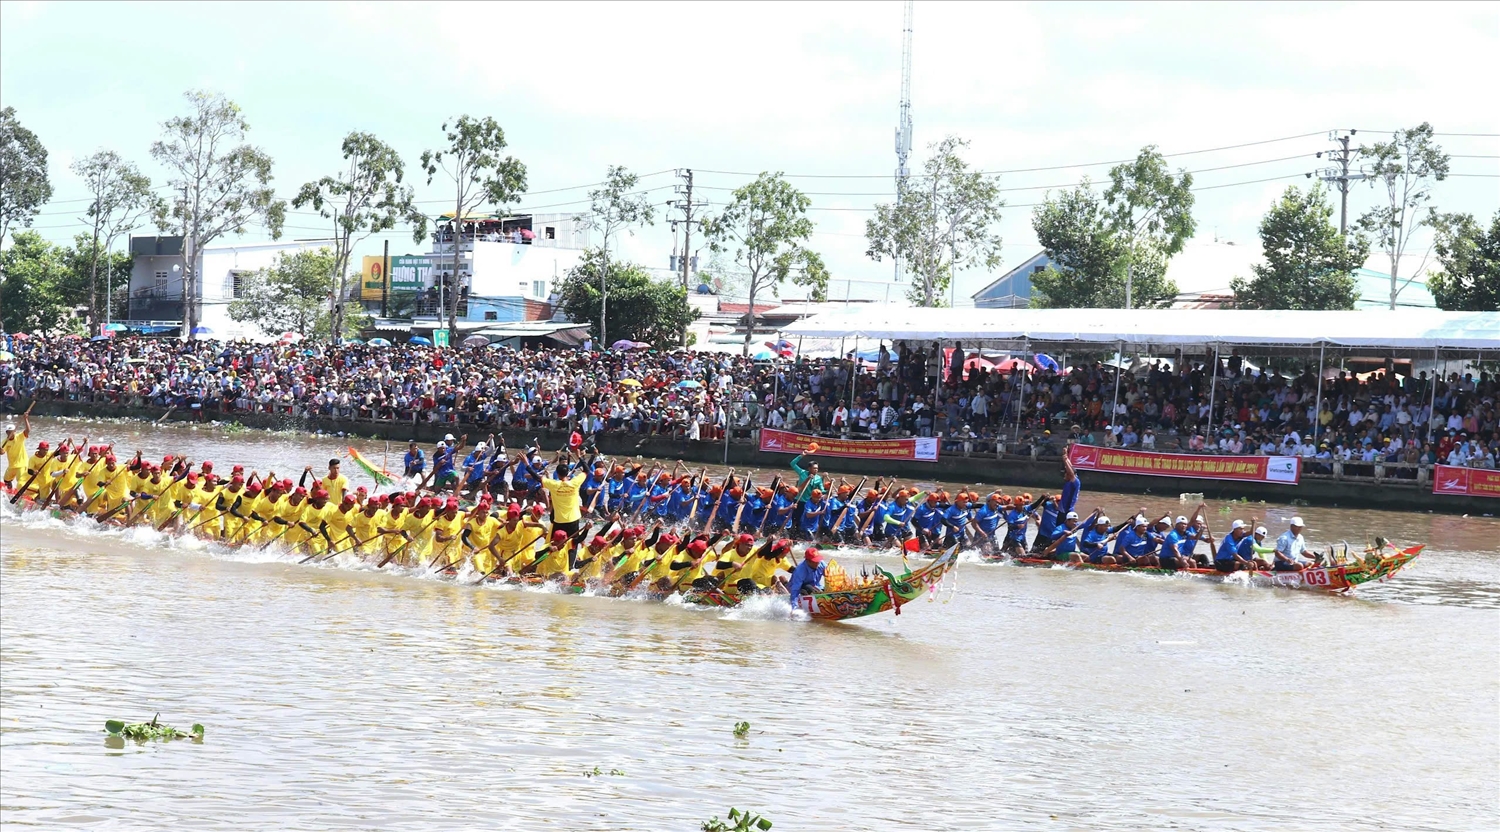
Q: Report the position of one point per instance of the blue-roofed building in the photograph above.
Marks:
(1012, 290)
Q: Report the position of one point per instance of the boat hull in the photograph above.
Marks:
(1340, 578)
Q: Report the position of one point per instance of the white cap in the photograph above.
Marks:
(1103, 518)
(1238, 524)
(1260, 529)
(10, 426)
(1072, 515)
(1139, 520)
(479, 447)
(1297, 521)
(1180, 520)
(449, 438)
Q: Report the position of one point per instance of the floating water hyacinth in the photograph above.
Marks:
(153, 730)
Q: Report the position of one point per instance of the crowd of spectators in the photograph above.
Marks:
(1381, 417)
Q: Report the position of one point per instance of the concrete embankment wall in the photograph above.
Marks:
(1038, 475)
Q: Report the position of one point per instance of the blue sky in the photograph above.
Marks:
(809, 88)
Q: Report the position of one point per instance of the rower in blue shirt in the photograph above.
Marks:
(680, 504)
(1234, 552)
(1130, 546)
(928, 521)
(898, 517)
(1064, 544)
(1094, 545)
(807, 577)
(956, 521)
(1177, 546)
(988, 518)
(415, 462)
(1016, 519)
(782, 506)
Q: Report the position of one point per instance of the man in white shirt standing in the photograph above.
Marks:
(1291, 549)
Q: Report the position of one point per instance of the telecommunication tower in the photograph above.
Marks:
(903, 123)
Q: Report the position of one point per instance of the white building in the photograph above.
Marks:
(508, 267)
(156, 301)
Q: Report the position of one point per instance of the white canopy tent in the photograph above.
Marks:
(1416, 330)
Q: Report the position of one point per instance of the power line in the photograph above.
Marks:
(1033, 170)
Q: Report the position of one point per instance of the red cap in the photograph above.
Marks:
(667, 539)
(192, 479)
(42, 445)
(286, 485)
(782, 545)
(697, 547)
(813, 555)
(237, 479)
(238, 469)
(207, 466)
(110, 460)
(398, 500)
(348, 500)
(362, 490)
(320, 494)
(559, 536)
(300, 491)
(598, 542)
(512, 511)
(253, 489)
(536, 511)
(745, 540)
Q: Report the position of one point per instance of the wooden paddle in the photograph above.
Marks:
(409, 540)
(502, 561)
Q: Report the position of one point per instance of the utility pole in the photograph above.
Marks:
(1339, 176)
(688, 207)
(385, 281)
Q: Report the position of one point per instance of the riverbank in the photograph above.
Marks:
(1038, 472)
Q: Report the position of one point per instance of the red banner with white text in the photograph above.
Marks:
(1284, 470)
(1472, 482)
(785, 442)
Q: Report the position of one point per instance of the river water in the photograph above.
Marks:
(1022, 699)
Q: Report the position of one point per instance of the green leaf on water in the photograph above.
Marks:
(763, 824)
(114, 726)
(742, 729)
(198, 730)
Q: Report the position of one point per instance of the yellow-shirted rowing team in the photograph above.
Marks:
(325, 517)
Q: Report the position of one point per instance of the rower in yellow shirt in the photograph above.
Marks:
(314, 529)
(231, 505)
(714, 564)
(116, 487)
(481, 533)
(96, 478)
(758, 572)
(554, 563)
(515, 538)
(13, 448)
(338, 519)
(392, 527)
(594, 558)
(447, 531)
(418, 525)
(364, 526)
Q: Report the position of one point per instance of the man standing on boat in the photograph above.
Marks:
(807, 577)
(14, 451)
(808, 481)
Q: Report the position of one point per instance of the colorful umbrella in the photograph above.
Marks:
(629, 382)
(690, 384)
(763, 355)
(290, 337)
(476, 341)
(379, 342)
(1011, 365)
(114, 327)
(419, 341)
(623, 344)
(203, 330)
(1047, 362)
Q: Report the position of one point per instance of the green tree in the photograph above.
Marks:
(614, 207)
(1406, 166)
(364, 198)
(1308, 264)
(767, 227)
(219, 185)
(1151, 214)
(24, 186)
(292, 295)
(33, 298)
(480, 175)
(947, 210)
(1071, 228)
(641, 308)
(122, 199)
(1470, 258)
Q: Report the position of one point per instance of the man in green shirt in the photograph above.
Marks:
(807, 479)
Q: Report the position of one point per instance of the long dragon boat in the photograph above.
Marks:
(841, 600)
(1378, 564)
